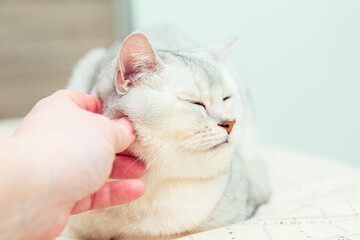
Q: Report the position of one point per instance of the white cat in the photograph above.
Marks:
(193, 125)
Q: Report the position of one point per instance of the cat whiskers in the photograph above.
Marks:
(210, 143)
(200, 140)
(130, 166)
(205, 140)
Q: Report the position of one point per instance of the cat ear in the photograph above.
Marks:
(136, 57)
(221, 49)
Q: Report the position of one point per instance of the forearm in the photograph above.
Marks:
(27, 201)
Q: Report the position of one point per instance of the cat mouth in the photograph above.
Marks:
(218, 145)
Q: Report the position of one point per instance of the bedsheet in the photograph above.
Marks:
(312, 198)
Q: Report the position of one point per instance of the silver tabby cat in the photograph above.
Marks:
(193, 122)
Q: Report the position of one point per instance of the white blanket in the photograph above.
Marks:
(312, 198)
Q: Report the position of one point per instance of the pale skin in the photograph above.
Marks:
(57, 163)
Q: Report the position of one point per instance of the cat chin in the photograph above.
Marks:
(225, 144)
(220, 145)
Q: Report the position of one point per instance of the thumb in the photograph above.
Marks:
(124, 134)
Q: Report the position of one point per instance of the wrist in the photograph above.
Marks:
(28, 196)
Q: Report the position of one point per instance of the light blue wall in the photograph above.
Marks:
(301, 60)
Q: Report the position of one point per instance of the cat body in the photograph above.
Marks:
(193, 132)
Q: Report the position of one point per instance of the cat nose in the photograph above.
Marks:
(228, 125)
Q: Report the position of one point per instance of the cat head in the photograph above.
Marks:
(182, 103)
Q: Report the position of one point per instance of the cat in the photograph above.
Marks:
(193, 121)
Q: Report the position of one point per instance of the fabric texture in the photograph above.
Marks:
(312, 198)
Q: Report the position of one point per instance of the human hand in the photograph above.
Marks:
(115, 193)
(74, 149)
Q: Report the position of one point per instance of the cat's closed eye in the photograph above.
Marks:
(199, 103)
(193, 102)
(226, 98)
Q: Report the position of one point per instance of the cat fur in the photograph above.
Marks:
(192, 184)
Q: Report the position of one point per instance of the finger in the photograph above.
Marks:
(124, 134)
(82, 100)
(111, 194)
(127, 167)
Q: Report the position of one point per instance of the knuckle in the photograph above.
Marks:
(64, 92)
(60, 92)
(42, 102)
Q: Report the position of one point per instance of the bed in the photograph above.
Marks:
(312, 198)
